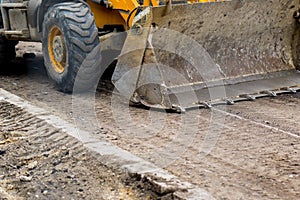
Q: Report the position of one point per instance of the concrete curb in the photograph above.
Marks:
(156, 179)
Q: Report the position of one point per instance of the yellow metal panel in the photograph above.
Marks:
(125, 5)
(122, 11)
(204, 1)
(150, 2)
(105, 16)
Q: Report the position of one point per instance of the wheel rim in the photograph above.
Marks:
(57, 49)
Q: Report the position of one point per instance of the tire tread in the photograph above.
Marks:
(81, 36)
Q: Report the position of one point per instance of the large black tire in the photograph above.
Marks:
(7, 51)
(70, 43)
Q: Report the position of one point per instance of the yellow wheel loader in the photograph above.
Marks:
(175, 54)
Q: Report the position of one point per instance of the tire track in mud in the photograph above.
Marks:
(277, 113)
(247, 176)
(255, 153)
(251, 160)
(245, 179)
(265, 125)
(39, 161)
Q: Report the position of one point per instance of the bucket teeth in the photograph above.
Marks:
(292, 90)
(270, 93)
(206, 105)
(248, 97)
(229, 101)
(178, 108)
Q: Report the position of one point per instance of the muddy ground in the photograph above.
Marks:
(249, 150)
(39, 161)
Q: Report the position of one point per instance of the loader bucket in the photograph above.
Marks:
(191, 55)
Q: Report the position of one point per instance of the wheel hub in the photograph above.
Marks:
(58, 48)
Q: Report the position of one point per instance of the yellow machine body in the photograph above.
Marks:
(117, 12)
